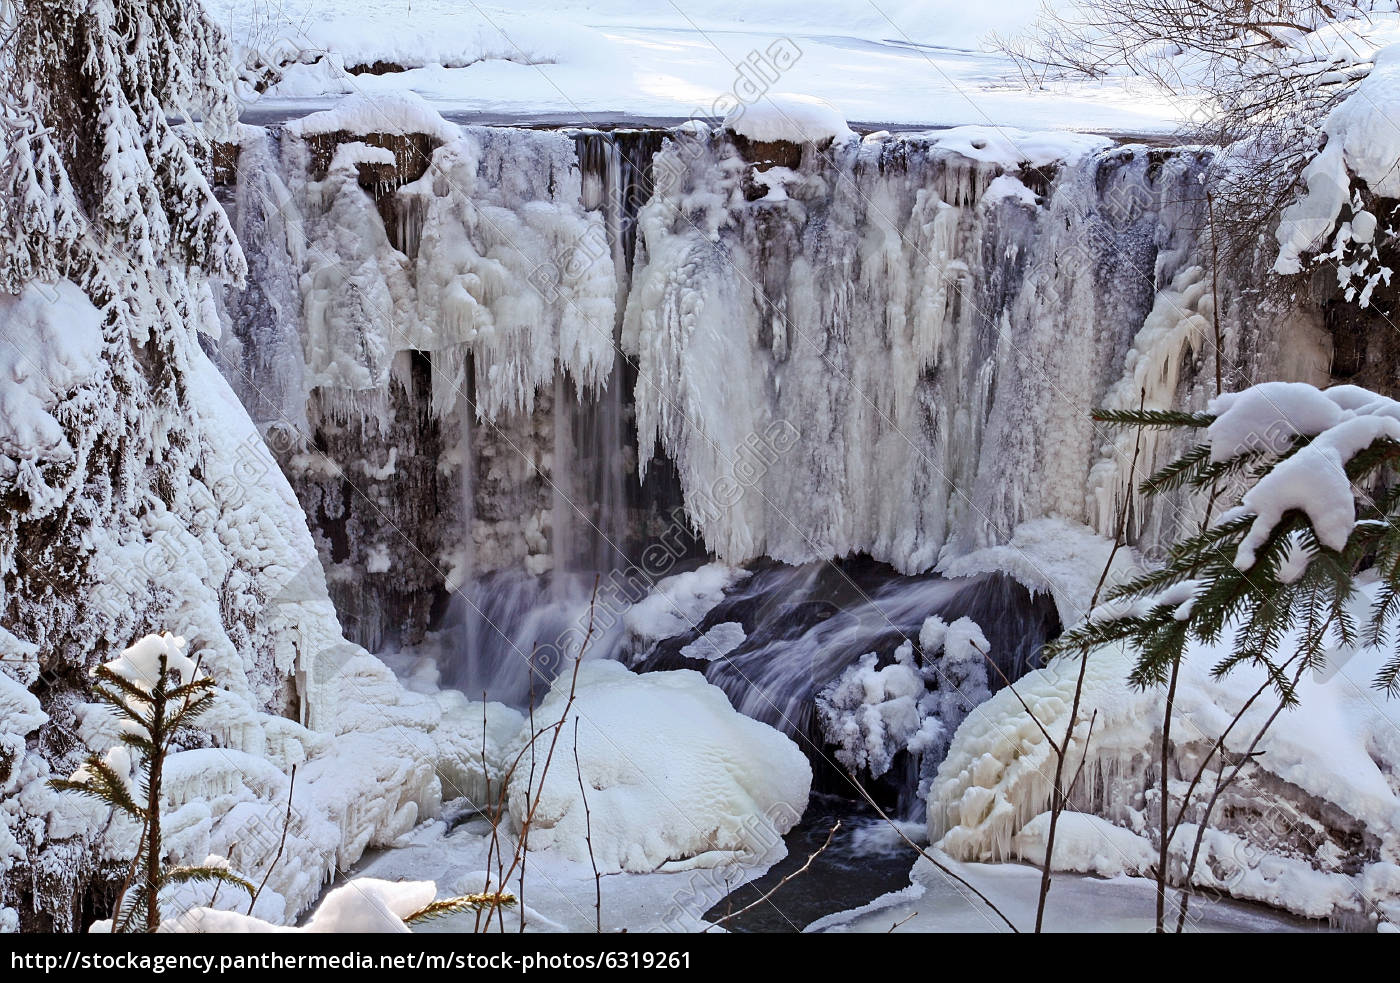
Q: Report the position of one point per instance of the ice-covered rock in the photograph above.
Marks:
(673, 777)
(790, 117)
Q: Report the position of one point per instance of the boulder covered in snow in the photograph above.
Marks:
(790, 118)
(674, 776)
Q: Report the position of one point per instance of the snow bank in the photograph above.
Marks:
(1050, 556)
(1285, 833)
(20, 715)
(1087, 844)
(675, 778)
(398, 112)
(791, 117)
(1014, 148)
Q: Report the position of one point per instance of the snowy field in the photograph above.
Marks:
(906, 64)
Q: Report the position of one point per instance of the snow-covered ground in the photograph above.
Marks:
(585, 63)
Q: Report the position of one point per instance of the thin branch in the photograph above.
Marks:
(779, 886)
(286, 826)
(588, 838)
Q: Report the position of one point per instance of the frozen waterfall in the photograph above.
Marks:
(510, 366)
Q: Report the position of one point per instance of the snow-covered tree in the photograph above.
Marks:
(157, 692)
(1312, 501)
(134, 492)
(96, 174)
(1274, 81)
(1310, 480)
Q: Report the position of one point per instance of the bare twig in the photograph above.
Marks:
(588, 838)
(1221, 784)
(536, 794)
(286, 825)
(779, 886)
(1059, 798)
(890, 930)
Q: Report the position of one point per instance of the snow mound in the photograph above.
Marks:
(397, 111)
(1050, 556)
(790, 117)
(1015, 148)
(360, 906)
(678, 604)
(675, 778)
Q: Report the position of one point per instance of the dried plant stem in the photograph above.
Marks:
(588, 838)
(1059, 797)
(286, 825)
(787, 879)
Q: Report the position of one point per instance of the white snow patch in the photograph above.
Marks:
(1086, 843)
(679, 603)
(1363, 141)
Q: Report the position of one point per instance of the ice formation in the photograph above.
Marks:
(718, 641)
(672, 776)
(1087, 844)
(464, 267)
(872, 714)
(910, 319)
(1285, 833)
